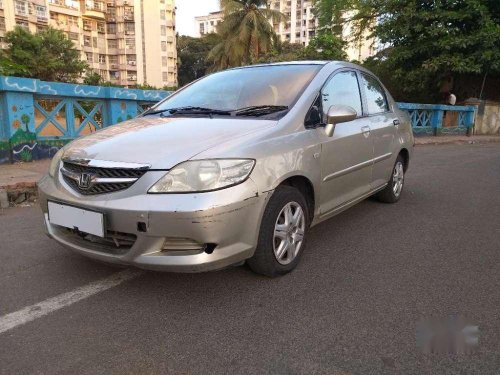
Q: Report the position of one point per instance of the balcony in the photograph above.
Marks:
(96, 12)
(170, 39)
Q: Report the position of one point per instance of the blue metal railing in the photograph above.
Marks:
(435, 119)
(37, 118)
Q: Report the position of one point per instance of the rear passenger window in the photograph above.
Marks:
(342, 89)
(375, 95)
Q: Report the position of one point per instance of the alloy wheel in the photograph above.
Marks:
(398, 179)
(289, 233)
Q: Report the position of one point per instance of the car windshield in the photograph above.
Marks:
(253, 90)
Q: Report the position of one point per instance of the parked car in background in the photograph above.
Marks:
(234, 167)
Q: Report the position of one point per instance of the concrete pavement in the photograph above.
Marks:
(351, 307)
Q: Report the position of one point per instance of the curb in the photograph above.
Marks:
(14, 194)
(470, 141)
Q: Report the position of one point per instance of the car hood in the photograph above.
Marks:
(161, 142)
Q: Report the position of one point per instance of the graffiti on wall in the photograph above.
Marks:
(41, 117)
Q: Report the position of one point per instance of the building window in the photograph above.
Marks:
(202, 28)
(111, 12)
(73, 36)
(54, 16)
(129, 14)
(130, 28)
(163, 15)
(164, 61)
(2, 24)
(72, 20)
(41, 11)
(94, 5)
(101, 27)
(89, 56)
(87, 25)
(102, 59)
(112, 43)
(87, 41)
(164, 76)
(163, 30)
(113, 59)
(163, 46)
(22, 24)
(111, 28)
(21, 8)
(130, 43)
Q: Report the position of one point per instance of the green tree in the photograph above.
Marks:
(283, 52)
(428, 42)
(247, 32)
(93, 78)
(324, 47)
(192, 56)
(47, 55)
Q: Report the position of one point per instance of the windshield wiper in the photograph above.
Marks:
(259, 110)
(189, 110)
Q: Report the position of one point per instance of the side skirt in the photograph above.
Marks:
(344, 206)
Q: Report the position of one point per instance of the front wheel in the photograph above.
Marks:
(394, 188)
(282, 233)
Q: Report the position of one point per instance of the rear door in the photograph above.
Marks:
(383, 125)
(346, 158)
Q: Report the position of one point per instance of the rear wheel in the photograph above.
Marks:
(282, 233)
(394, 188)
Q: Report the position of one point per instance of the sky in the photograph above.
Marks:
(188, 9)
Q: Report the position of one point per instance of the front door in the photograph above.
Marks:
(346, 158)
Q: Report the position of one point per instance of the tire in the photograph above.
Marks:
(282, 233)
(392, 192)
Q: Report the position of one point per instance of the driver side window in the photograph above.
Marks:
(342, 89)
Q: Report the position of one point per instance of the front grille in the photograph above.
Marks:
(104, 180)
(115, 243)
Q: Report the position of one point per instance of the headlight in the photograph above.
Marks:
(204, 175)
(54, 164)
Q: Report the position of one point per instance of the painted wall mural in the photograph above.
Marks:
(37, 118)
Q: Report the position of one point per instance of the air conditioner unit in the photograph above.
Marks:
(131, 63)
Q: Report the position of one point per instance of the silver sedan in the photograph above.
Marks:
(233, 168)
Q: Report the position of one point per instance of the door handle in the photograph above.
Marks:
(396, 122)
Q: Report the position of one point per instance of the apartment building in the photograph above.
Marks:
(127, 42)
(300, 27)
(207, 24)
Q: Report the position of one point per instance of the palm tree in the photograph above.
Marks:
(247, 32)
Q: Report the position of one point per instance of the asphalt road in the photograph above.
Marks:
(351, 307)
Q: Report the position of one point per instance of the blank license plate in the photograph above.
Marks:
(76, 218)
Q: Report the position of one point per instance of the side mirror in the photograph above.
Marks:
(337, 114)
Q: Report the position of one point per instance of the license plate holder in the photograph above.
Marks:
(72, 217)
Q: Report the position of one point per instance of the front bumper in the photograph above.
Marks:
(229, 219)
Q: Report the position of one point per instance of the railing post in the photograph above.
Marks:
(437, 121)
(469, 120)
